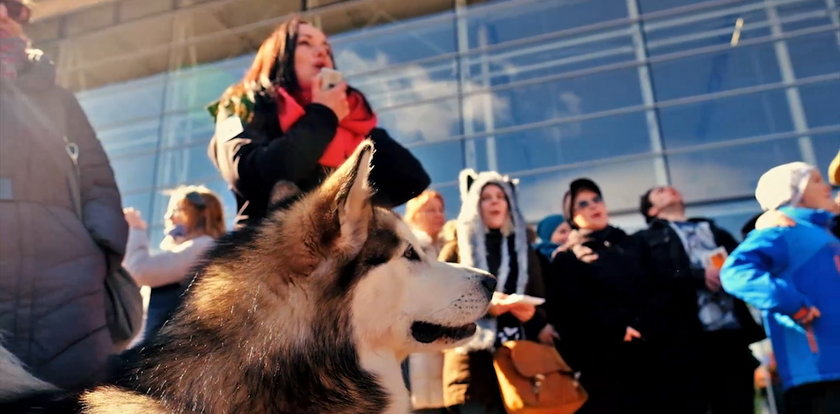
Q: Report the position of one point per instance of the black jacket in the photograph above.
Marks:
(592, 304)
(254, 160)
(678, 282)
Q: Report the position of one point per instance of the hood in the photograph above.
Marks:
(471, 230)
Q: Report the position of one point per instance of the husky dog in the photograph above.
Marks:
(309, 312)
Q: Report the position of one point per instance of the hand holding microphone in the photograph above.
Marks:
(330, 90)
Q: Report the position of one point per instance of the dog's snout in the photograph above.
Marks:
(489, 284)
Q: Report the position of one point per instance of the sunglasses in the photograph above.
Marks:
(196, 199)
(17, 11)
(586, 203)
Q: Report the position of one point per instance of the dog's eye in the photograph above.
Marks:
(411, 254)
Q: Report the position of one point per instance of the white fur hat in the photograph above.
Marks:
(783, 185)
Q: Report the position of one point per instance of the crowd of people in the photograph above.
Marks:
(659, 321)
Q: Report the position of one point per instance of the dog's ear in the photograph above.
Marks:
(350, 192)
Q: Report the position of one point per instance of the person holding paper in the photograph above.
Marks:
(704, 331)
(792, 274)
(490, 235)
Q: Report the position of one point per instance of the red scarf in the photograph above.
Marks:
(350, 132)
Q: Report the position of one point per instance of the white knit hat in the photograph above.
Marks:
(783, 185)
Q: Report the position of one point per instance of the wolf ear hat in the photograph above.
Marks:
(472, 248)
(471, 230)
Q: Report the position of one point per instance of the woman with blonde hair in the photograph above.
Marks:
(287, 120)
(425, 216)
(194, 220)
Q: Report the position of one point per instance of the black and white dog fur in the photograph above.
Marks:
(309, 312)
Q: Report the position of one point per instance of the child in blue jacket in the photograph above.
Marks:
(792, 274)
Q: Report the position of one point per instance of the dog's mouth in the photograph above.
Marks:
(425, 332)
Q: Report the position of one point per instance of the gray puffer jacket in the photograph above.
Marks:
(52, 262)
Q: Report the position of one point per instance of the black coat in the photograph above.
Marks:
(678, 282)
(254, 160)
(592, 304)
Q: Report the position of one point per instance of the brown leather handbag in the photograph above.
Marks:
(534, 379)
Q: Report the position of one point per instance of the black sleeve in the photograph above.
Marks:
(535, 287)
(253, 161)
(397, 175)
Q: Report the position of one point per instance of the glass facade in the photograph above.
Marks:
(632, 93)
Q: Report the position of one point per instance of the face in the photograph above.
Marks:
(13, 15)
(817, 194)
(561, 233)
(177, 214)
(662, 197)
(312, 53)
(430, 217)
(589, 211)
(494, 207)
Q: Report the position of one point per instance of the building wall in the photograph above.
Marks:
(632, 93)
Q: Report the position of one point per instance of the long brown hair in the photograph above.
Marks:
(274, 64)
(202, 207)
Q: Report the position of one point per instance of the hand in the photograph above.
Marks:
(522, 311)
(584, 254)
(334, 98)
(713, 279)
(135, 221)
(498, 305)
(807, 315)
(547, 335)
(631, 334)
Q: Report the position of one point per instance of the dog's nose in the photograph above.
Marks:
(489, 284)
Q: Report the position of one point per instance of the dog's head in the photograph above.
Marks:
(363, 265)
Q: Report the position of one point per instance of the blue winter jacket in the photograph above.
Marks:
(781, 270)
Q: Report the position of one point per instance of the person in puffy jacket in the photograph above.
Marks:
(792, 274)
(61, 215)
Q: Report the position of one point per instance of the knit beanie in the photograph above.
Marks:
(547, 226)
(783, 185)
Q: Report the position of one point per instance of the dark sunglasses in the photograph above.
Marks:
(585, 203)
(17, 11)
(195, 199)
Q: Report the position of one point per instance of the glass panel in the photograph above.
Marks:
(189, 165)
(123, 102)
(815, 54)
(139, 201)
(406, 84)
(707, 27)
(820, 101)
(134, 172)
(194, 88)
(725, 119)
(451, 199)
(620, 182)
(368, 50)
(422, 123)
(552, 100)
(442, 161)
(696, 75)
(193, 128)
(137, 137)
(549, 57)
(568, 143)
(825, 148)
(730, 171)
(494, 24)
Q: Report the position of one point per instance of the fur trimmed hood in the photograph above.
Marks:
(471, 230)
